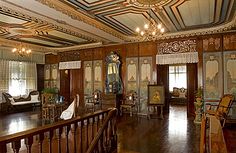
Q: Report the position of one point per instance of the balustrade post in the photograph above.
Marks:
(59, 139)
(74, 134)
(67, 137)
(3, 147)
(16, 146)
(50, 140)
(41, 138)
(28, 143)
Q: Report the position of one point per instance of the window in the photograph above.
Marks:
(177, 76)
(17, 78)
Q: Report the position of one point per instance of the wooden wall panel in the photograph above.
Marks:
(98, 54)
(147, 48)
(51, 59)
(229, 41)
(76, 84)
(40, 77)
(200, 62)
(65, 84)
(86, 55)
(192, 85)
(132, 50)
(163, 80)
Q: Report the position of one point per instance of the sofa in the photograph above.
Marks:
(31, 100)
(178, 96)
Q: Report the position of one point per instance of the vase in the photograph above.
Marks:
(198, 110)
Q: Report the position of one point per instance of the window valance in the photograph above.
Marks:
(191, 57)
(70, 65)
(176, 52)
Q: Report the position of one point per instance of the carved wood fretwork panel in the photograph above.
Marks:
(69, 56)
(230, 42)
(212, 44)
(177, 47)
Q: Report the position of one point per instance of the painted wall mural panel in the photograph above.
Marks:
(230, 72)
(132, 74)
(51, 76)
(88, 84)
(213, 83)
(230, 78)
(145, 65)
(97, 74)
(92, 76)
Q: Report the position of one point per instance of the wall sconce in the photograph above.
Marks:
(130, 97)
(95, 96)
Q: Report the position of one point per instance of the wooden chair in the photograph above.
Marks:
(48, 110)
(222, 110)
(129, 102)
(93, 101)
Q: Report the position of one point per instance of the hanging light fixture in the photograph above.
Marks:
(150, 30)
(21, 50)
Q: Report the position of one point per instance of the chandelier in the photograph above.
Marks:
(21, 50)
(150, 30)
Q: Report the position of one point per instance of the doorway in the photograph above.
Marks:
(191, 85)
(178, 84)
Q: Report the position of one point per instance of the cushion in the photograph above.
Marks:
(34, 97)
(12, 100)
(175, 92)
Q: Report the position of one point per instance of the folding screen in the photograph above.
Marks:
(138, 76)
(213, 76)
(92, 76)
(51, 77)
(132, 74)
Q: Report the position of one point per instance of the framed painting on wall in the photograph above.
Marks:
(156, 95)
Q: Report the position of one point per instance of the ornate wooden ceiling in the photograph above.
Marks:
(68, 24)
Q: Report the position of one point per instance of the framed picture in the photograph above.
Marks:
(156, 95)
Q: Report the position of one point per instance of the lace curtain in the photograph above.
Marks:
(17, 78)
(190, 57)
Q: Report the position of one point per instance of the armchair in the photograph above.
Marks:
(94, 100)
(129, 102)
(222, 110)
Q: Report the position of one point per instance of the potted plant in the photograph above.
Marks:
(198, 105)
(50, 90)
(51, 94)
(199, 94)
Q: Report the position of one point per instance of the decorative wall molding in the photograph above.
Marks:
(176, 47)
(214, 42)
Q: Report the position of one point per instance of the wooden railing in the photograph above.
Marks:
(94, 132)
(212, 138)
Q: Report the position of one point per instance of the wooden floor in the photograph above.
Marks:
(174, 134)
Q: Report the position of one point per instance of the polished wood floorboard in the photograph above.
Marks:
(174, 134)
